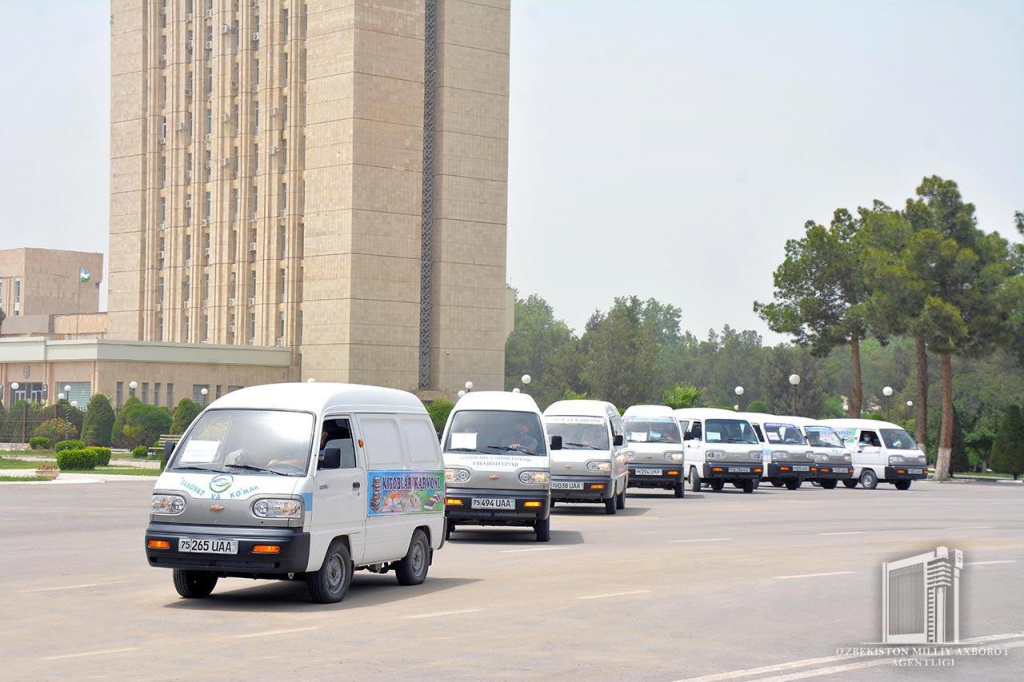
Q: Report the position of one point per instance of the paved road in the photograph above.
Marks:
(669, 589)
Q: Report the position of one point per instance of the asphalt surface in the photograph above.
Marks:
(774, 585)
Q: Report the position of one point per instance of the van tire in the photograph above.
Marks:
(330, 584)
(194, 584)
(449, 528)
(717, 486)
(694, 480)
(543, 529)
(793, 483)
(868, 479)
(828, 483)
(748, 485)
(412, 570)
(609, 505)
(902, 485)
(620, 499)
(850, 482)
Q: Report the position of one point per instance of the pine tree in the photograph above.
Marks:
(959, 461)
(98, 422)
(1008, 450)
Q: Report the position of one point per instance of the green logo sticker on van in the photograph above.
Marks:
(220, 483)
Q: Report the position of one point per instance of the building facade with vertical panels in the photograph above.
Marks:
(268, 184)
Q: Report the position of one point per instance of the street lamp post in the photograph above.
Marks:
(794, 381)
(469, 386)
(739, 397)
(132, 385)
(461, 393)
(204, 391)
(887, 392)
(910, 403)
(24, 417)
(60, 399)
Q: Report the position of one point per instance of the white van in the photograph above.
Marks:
(591, 466)
(496, 463)
(788, 459)
(881, 451)
(832, 461)
(300, 481)
(655, 455)
(720, 447)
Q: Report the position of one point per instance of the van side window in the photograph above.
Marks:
(338, 434)
(870, 438)
(696, 431)
(422, 441)
(757, 430)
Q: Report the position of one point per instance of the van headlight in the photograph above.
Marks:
(674, 456)
(778, 456)
(169, 505)
(756, 454)
(715, 454)
(630, 455)
(277, 509)
(895, 459)
(455, 475)
(821, 458)
(533, 477)
(599, 466)
(847, 458)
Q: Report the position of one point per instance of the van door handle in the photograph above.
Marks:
(356, 485)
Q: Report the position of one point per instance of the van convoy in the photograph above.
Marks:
(591, 466)
(314, 481)
(655, 452)
(881, 452)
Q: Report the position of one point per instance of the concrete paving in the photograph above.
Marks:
(773, 585)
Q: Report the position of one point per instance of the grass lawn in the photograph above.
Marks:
(20, 479)
(121, 471)
(19, 464)
(987, 474)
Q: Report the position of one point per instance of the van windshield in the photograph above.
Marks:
(822, 437)
(783, 434)
(729, 431)
(898, 439)
(579, 433)
(259, 442)
(496, 432)
(652, 430)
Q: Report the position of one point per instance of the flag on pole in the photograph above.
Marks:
(83, 275)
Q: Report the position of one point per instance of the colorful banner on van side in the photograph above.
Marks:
(406, 492)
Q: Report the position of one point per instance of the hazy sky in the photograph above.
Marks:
(663, 149)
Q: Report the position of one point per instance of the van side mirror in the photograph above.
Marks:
(330, 459)
(556, 442)
(617, 440)
(687, 436)
(169, 450)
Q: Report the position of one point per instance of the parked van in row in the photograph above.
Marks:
(786, 456)
(300, 481)
(497, 468)
(720, 447)
(881, 451)
(655, 454)
(832, 461)
(591, 466)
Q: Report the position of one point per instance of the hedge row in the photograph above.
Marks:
(83, 458)
(68, 445)
(39, 443)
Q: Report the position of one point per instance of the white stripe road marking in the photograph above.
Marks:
(92, 653)
(989, 563)
(272, 633)
(845, 532)
(438, 614)
(534, 549)
(810, 575)
(703, 540)
(970, 528)
(76, 587)
(614, 594)
(828, 671)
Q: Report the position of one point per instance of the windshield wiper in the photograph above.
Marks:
(462, 450)
(585, 445)
(250, 467)
(192, 468)
(508, 449)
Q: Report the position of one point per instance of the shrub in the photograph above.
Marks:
(758, 407)
(141, 424)
(68, 445)
(140, 452)
(682, 395)
(99, 421)
(76, 460)
(439, 410)
(124, 414)
(40, 443)
(56, 430)
(102, 454)
(184, 414)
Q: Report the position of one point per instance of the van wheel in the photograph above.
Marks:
(902, 485)
(543, 529)
(330, 583)
(194, 584)
(828, 483)
(609, 505)
(868, 479)
(620, 499)
(717, 486)
(850, 482)
(793, 483)
(449, 528)
(679, 489)
(748, 485)
(694, 481)
(412, 570)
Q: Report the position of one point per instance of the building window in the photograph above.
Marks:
(119, 395)
(299, 329)
(252, 328)
(170, 395)
(160, 328)
(283, 152)
(163, 178)
(254, 202)
(162, 211)
(255, 72)
(209, 174)
(209, 121)
(160, 254)
(206, 251)
(255, 160)
(188, 248)
(280, 326)
(163, 85)
(284, 69)
(284, 112)
(206, 327)
(255, 116)
(160, 290)
(206, 289)
(233, 247)
(156, 393)
(284, 25)
(232, 285)
(197, 393)
(282, 241)
(188, 169)
(218, 390)
(234, 204)
(184, 330)
(186, 290)
(188, 209)
(282, 197)
(145, 391)
(283, 283)
(231, 328)
(252, 283)
(163, 128)
(207, 200)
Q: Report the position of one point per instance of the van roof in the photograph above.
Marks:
(706, 413)
(859, 424)
(761, 418)
(580, 408)
(648, 411)
(497, 400)
(802, 421)
(318, 397)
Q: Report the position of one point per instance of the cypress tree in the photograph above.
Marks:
(1008, 450)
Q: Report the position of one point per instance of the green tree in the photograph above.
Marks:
(620, 362)
(148, 423)
(122, 418)
(812, 391)
(820, 293)
(533, 345)
(1008, 450)
(99, 421)
(439, 409)
(573, 395)
(758, 407)
(682, 395)
(184, 414)
(959, 462)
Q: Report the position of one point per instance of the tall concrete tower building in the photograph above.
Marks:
(325, 175)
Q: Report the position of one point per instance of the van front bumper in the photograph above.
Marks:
(529, 506)
(293, 556)
(906, 473)
(783, 470)
(832, 471)
(656, 475)
(581, 488)
(732, 471)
